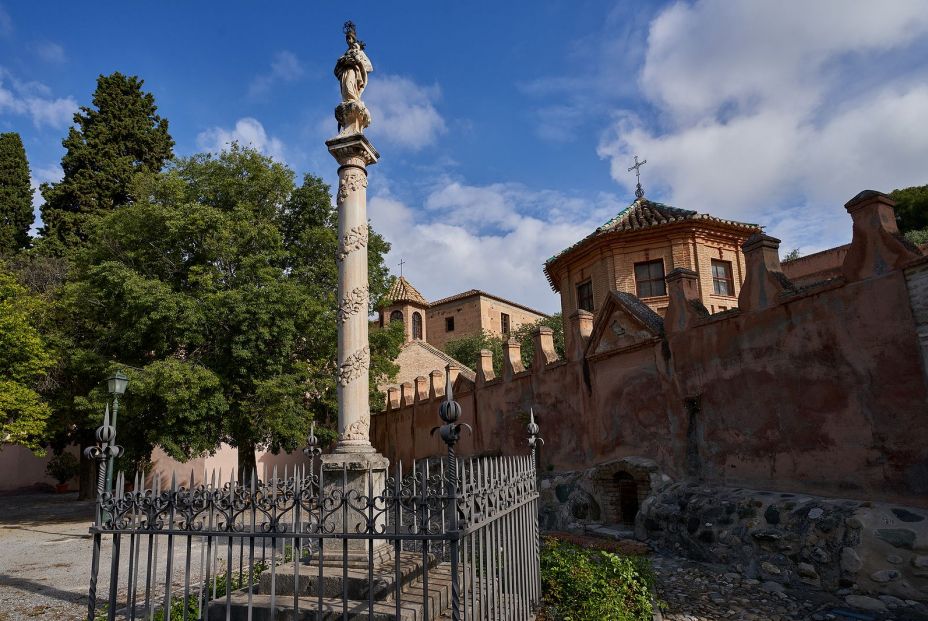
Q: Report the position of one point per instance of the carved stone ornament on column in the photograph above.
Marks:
(353, 303)
(354, 366)
(358, 430)
(354, 239)
(350, 182)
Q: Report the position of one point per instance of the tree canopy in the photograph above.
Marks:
(24, 359)
(120, 136)
(912, 212)
(15, 195)
(216, 287)
(466, 350)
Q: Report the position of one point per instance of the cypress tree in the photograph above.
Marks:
(121, 135)
(15, 195)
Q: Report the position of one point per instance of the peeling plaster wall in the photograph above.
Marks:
(822, 393)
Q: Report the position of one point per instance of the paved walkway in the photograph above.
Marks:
(44, 556)
(698, 592)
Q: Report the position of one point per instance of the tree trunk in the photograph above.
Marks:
(87, 479)
(247, 465)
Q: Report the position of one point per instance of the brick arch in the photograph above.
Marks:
(621, 487)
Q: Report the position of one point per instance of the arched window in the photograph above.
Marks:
(417, 326)
(396, 316)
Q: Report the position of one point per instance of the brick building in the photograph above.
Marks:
(635, 250)
(454, 317)
(429, 326)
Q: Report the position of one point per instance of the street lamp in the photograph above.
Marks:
(117, 387)
(117, 383)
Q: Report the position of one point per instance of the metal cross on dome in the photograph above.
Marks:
(639, 191)
(402, 263)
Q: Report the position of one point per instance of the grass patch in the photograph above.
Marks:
(583, 584)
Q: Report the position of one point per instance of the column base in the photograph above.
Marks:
(355, 475)
(354, 446)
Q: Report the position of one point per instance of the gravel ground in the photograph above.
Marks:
(44, 556)
(45, 559)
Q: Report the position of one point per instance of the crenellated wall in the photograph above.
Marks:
(819, 389)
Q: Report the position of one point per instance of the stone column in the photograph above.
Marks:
(353, 154)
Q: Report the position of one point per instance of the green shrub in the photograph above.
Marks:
(594, 585)
(63, 467)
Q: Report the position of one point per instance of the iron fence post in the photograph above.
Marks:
(450, 412)
(534, 440)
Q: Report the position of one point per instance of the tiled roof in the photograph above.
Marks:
(642, 214)
(474, 292)
(402, 291)
(641, 311)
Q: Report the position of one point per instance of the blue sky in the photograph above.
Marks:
(505, 129)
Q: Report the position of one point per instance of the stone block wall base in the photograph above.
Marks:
(833, 544)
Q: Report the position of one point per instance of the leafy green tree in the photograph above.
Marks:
(911, 208)
(120, 136)
(912, 212)
(215, 287)
(525, 334)
(385, 347)
(15, 195)
(918, 236)
(466, 349)
(792, 255)
(24, 359)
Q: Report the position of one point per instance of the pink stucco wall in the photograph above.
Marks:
(22, 470)
(819, 389)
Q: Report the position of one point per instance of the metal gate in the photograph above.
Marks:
(446, 538)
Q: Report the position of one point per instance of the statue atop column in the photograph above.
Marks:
(351, 70)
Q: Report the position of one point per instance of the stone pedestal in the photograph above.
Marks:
(358, 477)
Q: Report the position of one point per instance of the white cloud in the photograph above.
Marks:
(247, 132)
(404, 112)
(40, 176)
(448, 249)
(33, 99)
(778, 113)
(285, 67)
(50, 52)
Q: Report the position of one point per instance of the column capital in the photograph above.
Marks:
(353, 150)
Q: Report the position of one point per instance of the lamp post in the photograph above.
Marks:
(117, 387)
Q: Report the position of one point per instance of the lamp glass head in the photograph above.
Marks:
(117, 383)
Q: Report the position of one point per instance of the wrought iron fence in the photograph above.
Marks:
(446, 538)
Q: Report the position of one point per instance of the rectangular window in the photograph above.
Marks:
(449, 324)
(722, 281)
(649, 278)
(504, 323)
(585, 296)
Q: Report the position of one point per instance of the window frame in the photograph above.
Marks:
(588, 283)
(728, 279)
(651, 280)
(505, 323)
(417, 326)
(396, 315)
(449, 324)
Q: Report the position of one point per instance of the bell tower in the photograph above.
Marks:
(406, 304)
